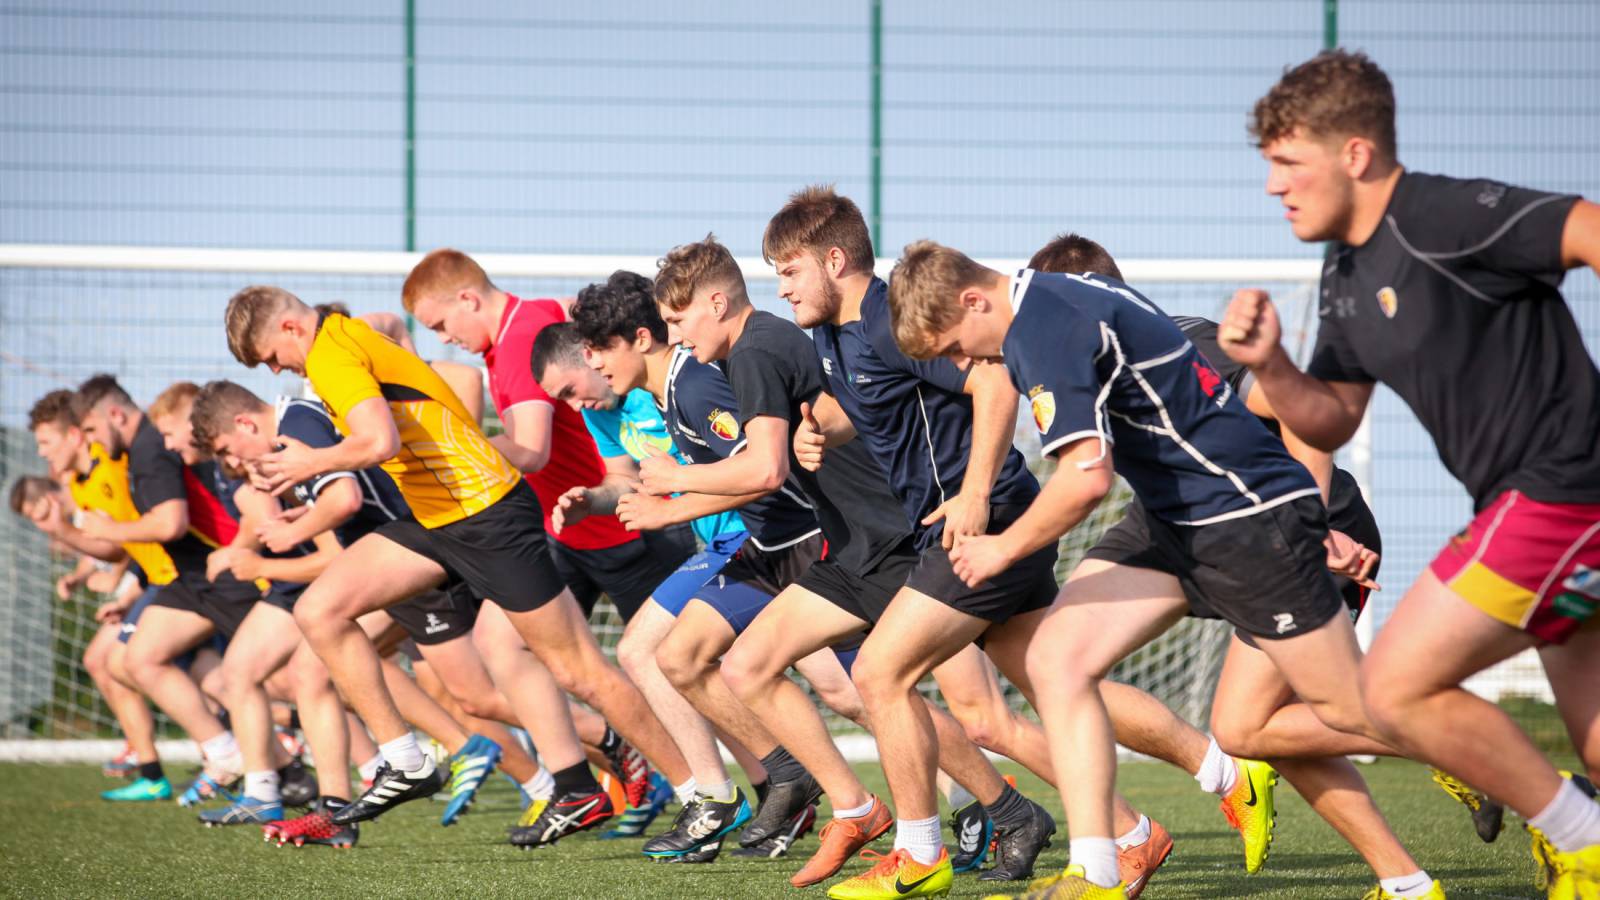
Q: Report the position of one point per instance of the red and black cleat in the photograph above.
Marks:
(315, 827)
(631, 768)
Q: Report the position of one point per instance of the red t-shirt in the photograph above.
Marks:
(574, 461)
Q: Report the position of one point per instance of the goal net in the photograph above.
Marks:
(153, 316)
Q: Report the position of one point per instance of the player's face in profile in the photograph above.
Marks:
(578, 386)
(178, 434)
(697, 325)
(620, 363)
(1305, 174)
(975, 337)
(452, 319)
(241, 445)
(55, 447)
(97, 428)
(280, 351)
(804, 283)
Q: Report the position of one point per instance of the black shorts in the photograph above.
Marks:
(1028, 585)
(1267, 574)
(770, 571)
(499, 554)
(863, 596)
(224, 603)
(284, 595)
(627, 573)
(433, 617)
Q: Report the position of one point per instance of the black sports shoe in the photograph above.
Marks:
(701, 821)
(778, 845)
(784, 801)
(390, 788)
(297, 785)
(973, 830)
(704, 853)
(566, 814)
(1020, 845)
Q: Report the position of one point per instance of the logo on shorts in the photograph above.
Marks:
(1043, 403)
(1285, 622)
(1582, 594)
(1389, 300)
(434, 626)
(723, 424)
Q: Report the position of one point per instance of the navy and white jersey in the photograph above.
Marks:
(1096, 359)
(307, 421)
(703, 419)
(913, 415)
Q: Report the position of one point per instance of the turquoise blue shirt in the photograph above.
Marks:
(634, 428)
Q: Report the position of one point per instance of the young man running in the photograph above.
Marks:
(476, 522)
(1254, 712)
(1108, 376)
(1465, 271)
(776, 376)
(178, 508)
(715, 595)
(98, 484)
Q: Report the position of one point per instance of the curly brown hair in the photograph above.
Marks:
(1335, 94)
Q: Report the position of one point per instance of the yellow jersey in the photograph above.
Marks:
(446, 468)
(105, 490)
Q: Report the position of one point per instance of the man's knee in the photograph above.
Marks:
(680, 664)
(881, 676)
(747, 668)
(635, 656)
(1234, 735)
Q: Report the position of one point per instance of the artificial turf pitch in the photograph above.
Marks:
(58, 839)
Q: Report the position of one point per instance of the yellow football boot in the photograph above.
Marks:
(1250, 811)
(1069, 885)
(897, 875)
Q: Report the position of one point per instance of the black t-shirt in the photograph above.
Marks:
(773, 368)
(702, 415)
(1454, 303)
(914, 415)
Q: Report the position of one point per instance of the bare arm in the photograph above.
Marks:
(760, 468)
(1325, 414)
(373, 439)
(466, 382)
(166, 521)
(1080, 482)
(1580, 237)
(526, 442)
(337, 502)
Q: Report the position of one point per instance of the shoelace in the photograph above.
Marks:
(854, 831)
(886, 862)
(1457, 788)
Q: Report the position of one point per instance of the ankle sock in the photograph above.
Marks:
(1217, 773)
(1572, 821)
(1416, 884)
(402, 753)
(782, 767)
(685, 792)
(151, 771)
(1135, 836)
(369, 769)
(1009, 808)
(575, 779)
(1098, 856)
(610, 741)
(920, 838)
(221, 748)
(721, 792)
(853, 812)
(542, 786)
(262, 786)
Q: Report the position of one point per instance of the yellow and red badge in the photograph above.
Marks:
(724, 425)
(1043, 404)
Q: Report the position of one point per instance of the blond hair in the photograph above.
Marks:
(816, 219)
(177, 395)
(689, 267)
(925, 294)
(250, 313)
(443, 271)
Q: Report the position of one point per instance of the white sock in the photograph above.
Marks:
(402, 753)
(1572, 821)
(722, 791)
(1138, 835)
(853, 812)
(1098, 856)
(542, 786)
(1218, 773)
(1414, 885)
(369, 769)
(684, 791)
(262, 786)
(920, 838)
(959, 797)
(222, 750)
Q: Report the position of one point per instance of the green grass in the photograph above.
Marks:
(58, 839)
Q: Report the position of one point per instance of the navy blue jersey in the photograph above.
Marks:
(703, 419)
(307, 421)
(1097, 359)
(913, 415)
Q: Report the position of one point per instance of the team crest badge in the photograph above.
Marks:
(1043, 403)
(1389, 301)
(723, 425)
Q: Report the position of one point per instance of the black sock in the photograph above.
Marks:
(294, 719)
(782, 767)
(578, 779)
(611, 741)
(151, 771)
(225, 719)
(1010, 808)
